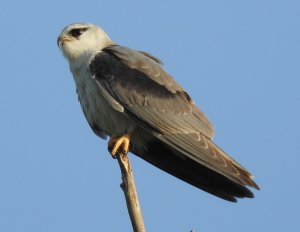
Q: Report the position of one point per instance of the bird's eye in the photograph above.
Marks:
(76, 32)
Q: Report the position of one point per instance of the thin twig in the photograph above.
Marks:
(128, 187)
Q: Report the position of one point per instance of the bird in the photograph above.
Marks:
(128, 96)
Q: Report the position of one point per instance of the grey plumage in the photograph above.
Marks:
(126, 91)
(163, 108)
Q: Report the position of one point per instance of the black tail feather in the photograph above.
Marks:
(192, 172)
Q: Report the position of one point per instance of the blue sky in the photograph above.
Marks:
(239, 60)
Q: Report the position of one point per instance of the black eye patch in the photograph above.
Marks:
(76, 32)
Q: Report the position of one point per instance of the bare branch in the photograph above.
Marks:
(128, 187)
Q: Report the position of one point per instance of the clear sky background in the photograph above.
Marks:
(239, 60)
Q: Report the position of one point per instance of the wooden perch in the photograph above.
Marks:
(128, 187)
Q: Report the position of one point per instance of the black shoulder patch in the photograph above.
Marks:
(107, 67)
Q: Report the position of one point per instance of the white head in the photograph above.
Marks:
(79, 40)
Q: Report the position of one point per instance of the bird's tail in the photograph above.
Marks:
(188, 170)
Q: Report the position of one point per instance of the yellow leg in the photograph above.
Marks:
(118, 144)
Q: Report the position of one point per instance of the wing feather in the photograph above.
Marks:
(137, 82)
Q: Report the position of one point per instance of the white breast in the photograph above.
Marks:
(97, 110)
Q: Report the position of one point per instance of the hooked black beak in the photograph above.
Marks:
(58, 42)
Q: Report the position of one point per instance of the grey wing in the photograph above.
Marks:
(152, 92)
(139, 83)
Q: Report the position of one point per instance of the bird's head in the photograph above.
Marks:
(82, 39)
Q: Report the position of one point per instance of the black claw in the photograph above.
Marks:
(114, 156)
(109, 148)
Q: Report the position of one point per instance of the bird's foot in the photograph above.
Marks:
(118, 144)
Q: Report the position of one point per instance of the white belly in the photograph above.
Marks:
(98, 111)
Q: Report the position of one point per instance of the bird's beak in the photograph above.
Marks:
(61, 40)
(58, 41)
